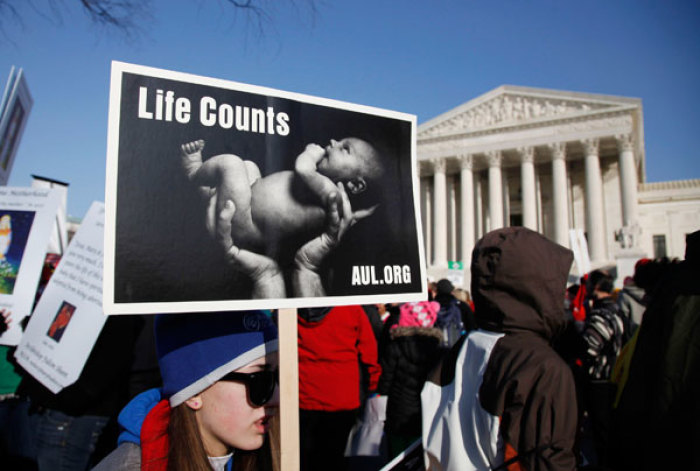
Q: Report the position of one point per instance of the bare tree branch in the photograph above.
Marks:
(258, 15)
(127, 16)
(124, 15)
(108, 12)
(260, 12)
(8, 12)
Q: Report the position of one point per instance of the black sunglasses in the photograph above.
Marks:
(260, 385)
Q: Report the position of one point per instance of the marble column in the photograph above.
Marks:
(451, 218)
(479, 206)
(527, 185)
(628, 180)
(467, 206)
(538, 199)
(595, 216)
(495, 159)
(560, 200)
(440, 210)
(505, 190)
(428, 221)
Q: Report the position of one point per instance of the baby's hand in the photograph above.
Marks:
(315, 151)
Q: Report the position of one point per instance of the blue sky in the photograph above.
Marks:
(418, 57)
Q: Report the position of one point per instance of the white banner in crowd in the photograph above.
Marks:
(68, 318)
(218, 191)
(27, 216)
(579, 245)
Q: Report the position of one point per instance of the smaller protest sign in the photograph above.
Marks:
(579, 245)
(68, 318)
(455, 273)
(26, 221)
(14, 113)
(59, 236)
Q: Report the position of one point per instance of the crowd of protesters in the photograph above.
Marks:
(519, 372)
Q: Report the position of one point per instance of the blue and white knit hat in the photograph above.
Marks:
(196, 350)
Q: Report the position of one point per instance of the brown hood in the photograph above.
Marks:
(518, 282)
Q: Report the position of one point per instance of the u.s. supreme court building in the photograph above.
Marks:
(569, 165)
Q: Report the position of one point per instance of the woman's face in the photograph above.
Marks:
(227, 419)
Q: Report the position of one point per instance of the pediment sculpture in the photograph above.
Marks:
(511, 109)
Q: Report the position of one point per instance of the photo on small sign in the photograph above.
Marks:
(14, 232)
(223, 192)
(60, 321)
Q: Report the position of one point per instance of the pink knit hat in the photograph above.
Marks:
(420, 314)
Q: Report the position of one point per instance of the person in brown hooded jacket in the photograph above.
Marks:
(505, 399)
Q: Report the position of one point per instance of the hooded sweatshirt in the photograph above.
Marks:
(509, 398)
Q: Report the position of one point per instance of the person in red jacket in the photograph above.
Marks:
(331, 342)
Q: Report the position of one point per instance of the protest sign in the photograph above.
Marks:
(180, 147)
(59, 234)
(26, 220)
(579, 245)
(68, 318)
(455, 273)
(14, 113)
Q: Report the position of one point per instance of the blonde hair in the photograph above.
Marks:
(462, 295)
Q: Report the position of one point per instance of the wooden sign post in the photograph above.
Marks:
(289, 389)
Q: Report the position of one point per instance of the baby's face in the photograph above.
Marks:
(345, 159)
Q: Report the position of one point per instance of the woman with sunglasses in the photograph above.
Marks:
(218, 403)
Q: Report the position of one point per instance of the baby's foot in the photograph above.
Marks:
(193, 147)
(192, 156)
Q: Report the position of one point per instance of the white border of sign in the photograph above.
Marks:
(44, 203)
(77, 281)
(113, 307)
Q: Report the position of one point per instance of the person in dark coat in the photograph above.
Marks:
(390, 321)
(601, 342)
(445, 296)
(506, 399)
(632, 305)
(657, 422)
(69, 424)
(375, 320)
(412, 352)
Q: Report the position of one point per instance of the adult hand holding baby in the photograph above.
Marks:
(306, 278)
(268, 281)
(265, 273)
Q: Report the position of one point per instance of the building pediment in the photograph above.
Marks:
(510, 106)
